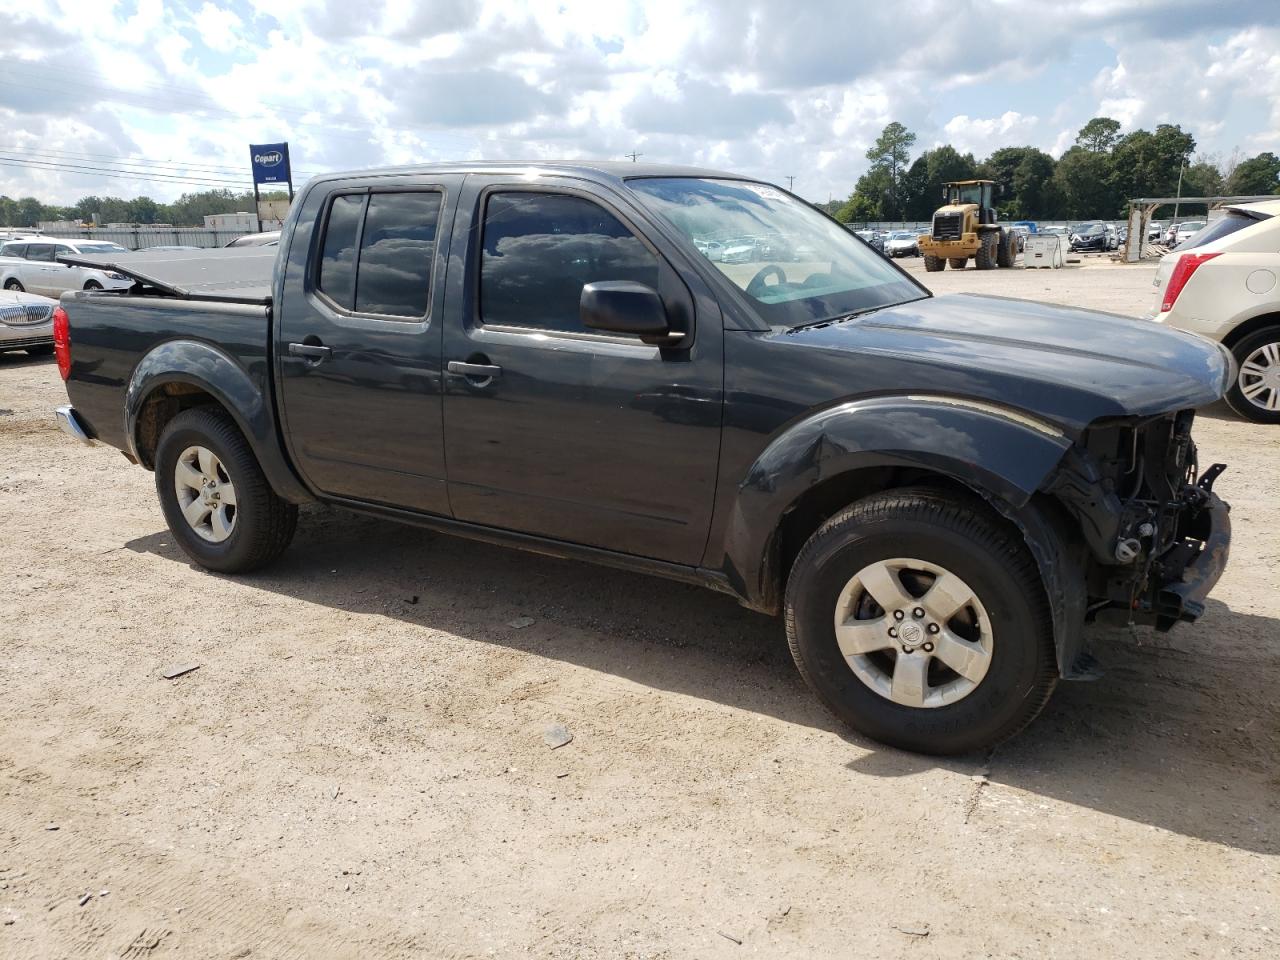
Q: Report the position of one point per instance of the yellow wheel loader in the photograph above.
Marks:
(965, 227)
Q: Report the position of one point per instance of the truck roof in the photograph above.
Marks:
(602, 171)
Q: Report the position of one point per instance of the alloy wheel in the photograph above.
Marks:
(206, 495)
(1260, 377)
(914, 632)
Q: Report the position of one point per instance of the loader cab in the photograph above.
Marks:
(981, 193)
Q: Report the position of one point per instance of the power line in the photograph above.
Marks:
(107, 173)
(116, 160)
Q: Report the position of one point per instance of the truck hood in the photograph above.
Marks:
(1063, 364)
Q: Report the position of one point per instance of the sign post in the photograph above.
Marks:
(270, 166)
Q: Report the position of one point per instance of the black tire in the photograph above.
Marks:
(1242, 351)
(264, 523)
(957, 263)
(1008, 249)
(92, 285)
(988, 250)
(44, 350)
(934, 264)
(13, 284)
(957, 535)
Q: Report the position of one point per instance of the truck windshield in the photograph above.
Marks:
(795, 265)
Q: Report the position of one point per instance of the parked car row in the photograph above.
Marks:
(32, 265)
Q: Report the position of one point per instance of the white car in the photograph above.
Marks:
(1224, 283)
(26, 323)
(901, 243)
(33, 265)
(1185, 231)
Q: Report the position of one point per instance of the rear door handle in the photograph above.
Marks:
(475, 371)
(312, 351)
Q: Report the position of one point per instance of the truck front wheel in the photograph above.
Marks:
(921, 622)
(217, 502)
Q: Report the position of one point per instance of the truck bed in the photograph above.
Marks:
(230, 275)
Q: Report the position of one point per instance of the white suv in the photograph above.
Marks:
(32, 265)
(1224, 283)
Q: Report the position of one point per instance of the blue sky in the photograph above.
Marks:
(161, 96)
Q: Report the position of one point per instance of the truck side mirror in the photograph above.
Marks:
(623, 306)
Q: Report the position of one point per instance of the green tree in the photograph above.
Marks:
(30, 211)
(143, 210)
(1023, 174)
(890, 154)
(1099, 135)
(870, 199)
(1202, 179)
(1082, 180)
(1256, 176)
(931, 170)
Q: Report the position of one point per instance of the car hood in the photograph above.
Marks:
(1063, 364)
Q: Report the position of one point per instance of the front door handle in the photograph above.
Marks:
(474, 371)
(312, 351)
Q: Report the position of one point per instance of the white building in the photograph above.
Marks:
(243, 222)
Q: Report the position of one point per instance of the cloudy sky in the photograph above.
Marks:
(157, 97)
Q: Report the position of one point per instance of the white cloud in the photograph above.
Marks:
(771, 90)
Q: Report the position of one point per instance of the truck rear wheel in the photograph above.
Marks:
(920, 621)
(934, 264)
(1008, 251)
(217, 502)
(957, 263)
(988, 244)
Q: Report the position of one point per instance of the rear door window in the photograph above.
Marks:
(336, 278)
(378, 252)
(40, 251)
(397, 250)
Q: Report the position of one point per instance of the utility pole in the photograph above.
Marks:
(791, 182)
(633, 155)
(1178, 195)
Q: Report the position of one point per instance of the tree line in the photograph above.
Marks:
(1093, 179)
(189, 210)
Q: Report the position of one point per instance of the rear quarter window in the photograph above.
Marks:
(1231, 222)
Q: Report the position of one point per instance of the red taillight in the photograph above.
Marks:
(62, 341)
(1187, 264)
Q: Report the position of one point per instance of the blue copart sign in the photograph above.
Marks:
(270, 162)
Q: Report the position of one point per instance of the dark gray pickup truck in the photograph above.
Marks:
(688, 374)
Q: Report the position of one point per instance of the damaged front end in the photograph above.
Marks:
(1157, 534)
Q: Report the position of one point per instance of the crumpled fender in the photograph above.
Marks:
(207, 367)
(1002, 454)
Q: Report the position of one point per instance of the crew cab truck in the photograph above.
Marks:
(936, 494)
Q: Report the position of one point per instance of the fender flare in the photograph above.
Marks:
(1002, 454)
(215, 372)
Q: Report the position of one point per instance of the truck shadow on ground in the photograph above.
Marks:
(1181, 733)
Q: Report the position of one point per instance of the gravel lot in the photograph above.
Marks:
(357, 768)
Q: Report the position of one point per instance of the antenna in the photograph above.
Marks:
(791, 182)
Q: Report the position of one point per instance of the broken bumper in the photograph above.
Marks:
(1182, 599)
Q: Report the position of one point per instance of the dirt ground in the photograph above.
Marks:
(358, 768)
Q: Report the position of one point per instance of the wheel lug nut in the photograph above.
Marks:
(934, 628)
(918, 612)
(893, 632)
(898, 614)
(928, 647)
